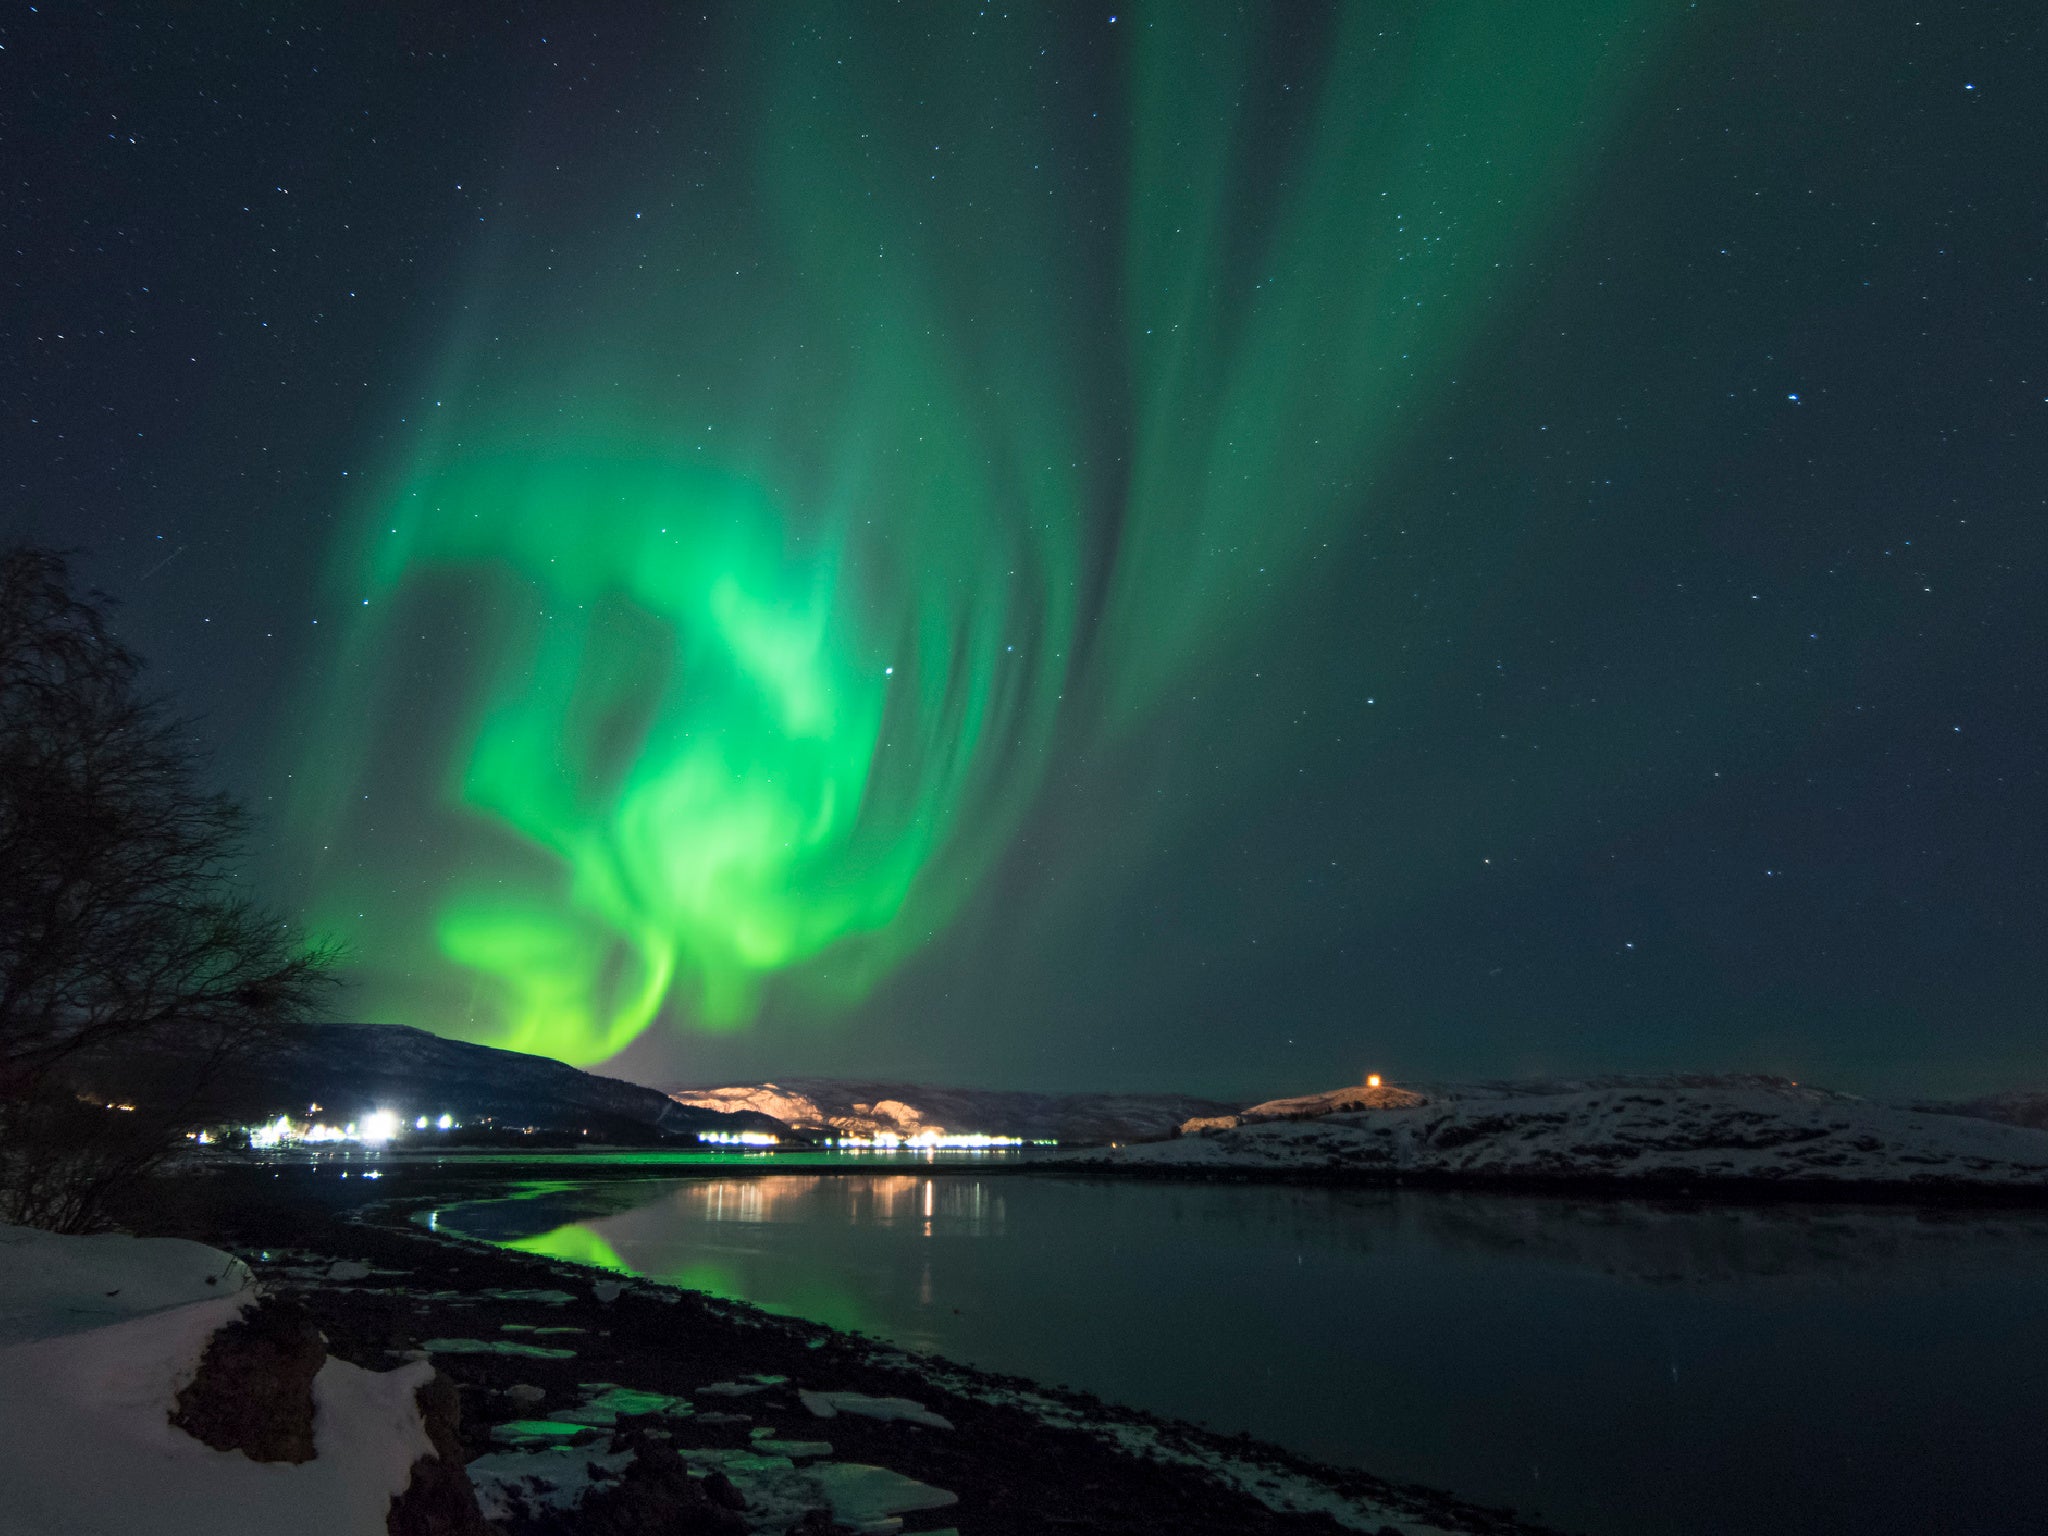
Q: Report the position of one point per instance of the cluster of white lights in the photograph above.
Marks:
(889, 1141)
(373, 1130)
(740, 1138)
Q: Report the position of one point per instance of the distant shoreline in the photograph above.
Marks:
(492, 1169)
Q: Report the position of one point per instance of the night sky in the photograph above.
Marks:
(1204, 547)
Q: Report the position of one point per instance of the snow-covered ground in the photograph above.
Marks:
(2018, 1106)
(53, 1285)
(1649, 1130)
(100, 1334)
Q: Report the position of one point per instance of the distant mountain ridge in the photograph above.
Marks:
(860, 1107)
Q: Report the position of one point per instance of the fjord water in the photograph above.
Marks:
(1605, 1366)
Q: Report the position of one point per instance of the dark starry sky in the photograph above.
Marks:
(1661, 687)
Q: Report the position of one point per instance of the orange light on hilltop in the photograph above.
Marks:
(1372, 1079)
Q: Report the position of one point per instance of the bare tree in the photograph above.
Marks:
(124, 929)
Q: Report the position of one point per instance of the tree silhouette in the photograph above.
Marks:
(124, 929)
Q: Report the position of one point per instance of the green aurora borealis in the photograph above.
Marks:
(720, 627)
(1209, 546)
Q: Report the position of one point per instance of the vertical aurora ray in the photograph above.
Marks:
(723, 627)
(1292, 317)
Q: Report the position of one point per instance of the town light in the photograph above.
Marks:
(379, 1125)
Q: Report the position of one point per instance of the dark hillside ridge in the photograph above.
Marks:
(351, 1069)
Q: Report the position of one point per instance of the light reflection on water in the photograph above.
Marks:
(964, 1207)
(1614, 1366)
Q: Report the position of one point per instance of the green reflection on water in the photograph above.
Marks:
(814, 1296)
(573, 1244)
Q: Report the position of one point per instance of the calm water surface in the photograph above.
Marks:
(1610, 1367)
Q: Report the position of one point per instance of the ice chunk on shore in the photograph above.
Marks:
(828, 1404)
(605, 1406)
(557, 1478)
(751, 1384)
(548, 1431)
(496, 1347)
(867, 1498)
(769, 1443)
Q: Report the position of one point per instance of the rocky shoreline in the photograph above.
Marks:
(611, 1385)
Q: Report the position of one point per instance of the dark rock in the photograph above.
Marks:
(254, 1390)
(656, 1497)
(440, 1500)
(816, 1522)
(724, 1492)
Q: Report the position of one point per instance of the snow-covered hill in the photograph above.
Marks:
(2023, 1106)
(859, 1108)
(1633, 1131)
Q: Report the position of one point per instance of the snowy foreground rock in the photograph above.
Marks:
(98, 1335)
(1649, 1131)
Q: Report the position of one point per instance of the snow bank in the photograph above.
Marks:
(86, 1443)
(52, 1285)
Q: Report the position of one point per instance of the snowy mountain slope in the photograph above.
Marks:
(1646, 1131)
(864, 1108)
